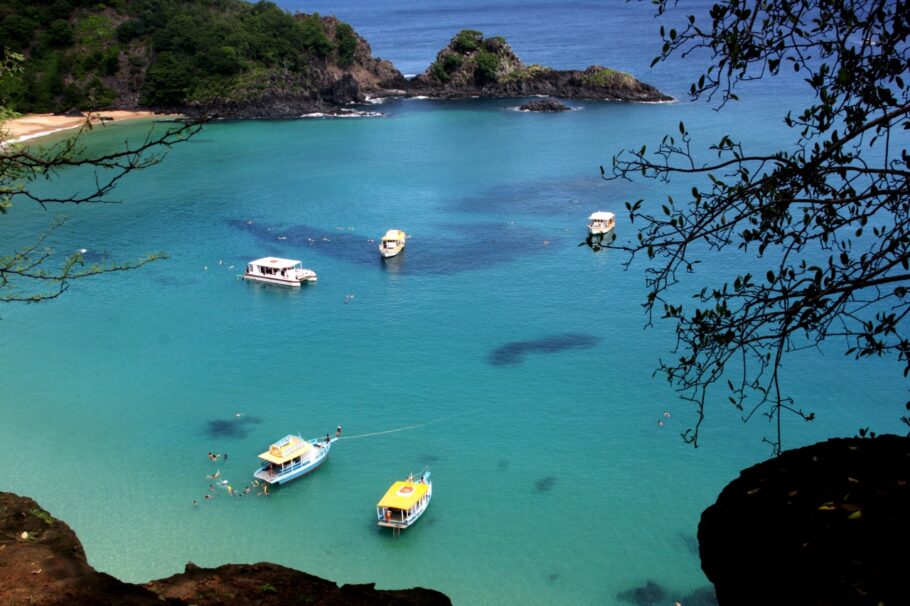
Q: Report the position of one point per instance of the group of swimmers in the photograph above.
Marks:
(255, 484)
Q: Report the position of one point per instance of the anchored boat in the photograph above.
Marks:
(292, 457)
(392, 243)
(601, 222)
(287, 272)
(405, 502)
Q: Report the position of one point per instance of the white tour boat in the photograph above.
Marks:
(601, 222)
(392, 243)
(292, 457)
(288, 272)
(405, 502)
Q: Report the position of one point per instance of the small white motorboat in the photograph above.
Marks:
(273, 270)
(392, 243)
(601, 222)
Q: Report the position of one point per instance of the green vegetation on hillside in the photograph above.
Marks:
(94, 53)
(485, 59)
(606, 76)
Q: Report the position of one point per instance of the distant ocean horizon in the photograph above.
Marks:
(498, 350)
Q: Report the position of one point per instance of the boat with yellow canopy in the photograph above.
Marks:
(291, 457)
(405, 501)
(392, 243)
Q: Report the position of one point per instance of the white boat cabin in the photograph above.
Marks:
(601, 222)
(274, 270)
(392, 243)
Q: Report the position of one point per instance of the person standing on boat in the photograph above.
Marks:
(327, 438)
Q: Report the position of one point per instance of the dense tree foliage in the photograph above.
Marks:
(88, 54)
(825, 218)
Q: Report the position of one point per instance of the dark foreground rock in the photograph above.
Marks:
(42, 563)
(828, 524)
(544, 105)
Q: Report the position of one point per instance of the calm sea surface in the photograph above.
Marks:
(554, 483)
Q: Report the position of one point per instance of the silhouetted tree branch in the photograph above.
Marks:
(827, 215)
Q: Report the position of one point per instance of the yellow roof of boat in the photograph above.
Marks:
(403, 495)
(295, 447)
(394, 234)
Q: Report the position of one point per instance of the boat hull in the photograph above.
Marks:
(407, 524)
(388, 254)
(599, 231)
(278, 281)
(276, 479)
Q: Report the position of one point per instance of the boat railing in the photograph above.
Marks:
(272, 472)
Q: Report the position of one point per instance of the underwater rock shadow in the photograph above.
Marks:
(235, 427)
(567, 197)
(514, 352)
(690, 541)
(703, 596)
(545, 484)
(490, 244)
(649, 594)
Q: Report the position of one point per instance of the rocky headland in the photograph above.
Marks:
(42, 563)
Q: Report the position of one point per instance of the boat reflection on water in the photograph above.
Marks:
(598, 242)
(394, 264)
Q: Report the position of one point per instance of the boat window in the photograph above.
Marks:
(296, 459)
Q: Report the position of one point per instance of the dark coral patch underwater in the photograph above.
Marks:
(514, 352)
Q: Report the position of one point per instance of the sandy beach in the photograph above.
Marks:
(33, 126)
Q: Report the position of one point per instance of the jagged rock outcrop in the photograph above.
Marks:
(544, 105)
(472, 65)
(42, 563)
(828, 524)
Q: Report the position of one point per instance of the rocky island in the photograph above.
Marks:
(544, 105)
(234, 59)
(474, 66)
(42, 563)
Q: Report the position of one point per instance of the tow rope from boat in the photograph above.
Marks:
(388, 431)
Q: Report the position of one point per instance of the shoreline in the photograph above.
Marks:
(34, 126)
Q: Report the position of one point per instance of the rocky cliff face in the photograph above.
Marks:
(828, 524)
(42, 563)
(472, 65)
(325, 86)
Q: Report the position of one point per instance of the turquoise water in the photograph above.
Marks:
(554, 483)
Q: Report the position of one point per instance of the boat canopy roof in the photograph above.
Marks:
(601, 215)
(403, 495)
(286, 449)
(275, 262)
(394, 234)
